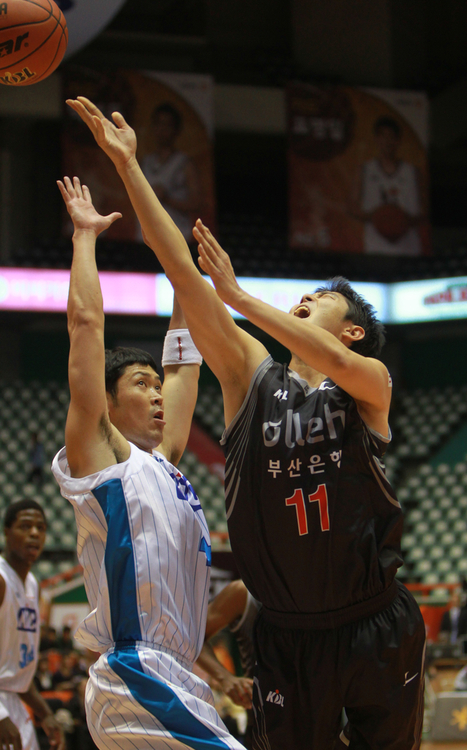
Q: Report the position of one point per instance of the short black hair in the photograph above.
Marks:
(14, 508)
(387, 122)
(168, 109)
(118, 359)
(361, 313)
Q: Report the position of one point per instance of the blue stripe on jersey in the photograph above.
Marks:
(206, 548)
(119, 562)
(158, 698)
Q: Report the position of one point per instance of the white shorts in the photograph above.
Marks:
(21, 719)
(139, 698)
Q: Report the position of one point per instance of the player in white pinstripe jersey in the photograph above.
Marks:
(142, 537)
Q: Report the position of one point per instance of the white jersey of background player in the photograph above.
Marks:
(25, 529)
(142, 537)
(387, 179)
(400, 188)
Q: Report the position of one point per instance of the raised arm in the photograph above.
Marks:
(180, 388)
(230, 352)
(364, 378)
(91, 442)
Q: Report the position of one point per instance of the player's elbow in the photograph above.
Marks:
(82, 318)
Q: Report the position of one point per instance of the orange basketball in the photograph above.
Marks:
(33, 40)
(390, 221)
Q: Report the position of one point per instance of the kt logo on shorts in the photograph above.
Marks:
(275, 697)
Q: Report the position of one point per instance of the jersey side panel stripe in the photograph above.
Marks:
(119, 562)
(160, 701)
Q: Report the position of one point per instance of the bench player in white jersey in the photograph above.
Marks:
(25, 529)
(314, 523)
(142, 537)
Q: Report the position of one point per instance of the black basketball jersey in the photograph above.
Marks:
(314, 524)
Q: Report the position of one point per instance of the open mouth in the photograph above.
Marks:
(302, 311)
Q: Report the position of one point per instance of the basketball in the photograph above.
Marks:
(33, 40)
(390, 221)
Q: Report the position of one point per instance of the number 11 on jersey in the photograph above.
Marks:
(320, 497)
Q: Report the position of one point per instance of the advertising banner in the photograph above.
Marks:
(46, 290)
(358, 170)
(172, 117)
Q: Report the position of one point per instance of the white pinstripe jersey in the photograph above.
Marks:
(19, 630)
(144, 545)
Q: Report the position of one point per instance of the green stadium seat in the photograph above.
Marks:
(427, 504)
(447, 539)
(416, 553)
(422, 568)
(415, 515)
(68, 540)
(421, 528)
(428, 540)
(451, 577)
(431, 579)
(455, 552)
(443, 566)
(436, 552)
(408, 541)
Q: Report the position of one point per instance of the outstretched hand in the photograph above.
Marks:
(115, 138)
(215, 262)
(79, 205)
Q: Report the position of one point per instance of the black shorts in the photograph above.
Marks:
(374, 668)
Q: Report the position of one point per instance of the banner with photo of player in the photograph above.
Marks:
(358, 172)
(172, 116)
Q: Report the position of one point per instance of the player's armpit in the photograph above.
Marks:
(92, 444)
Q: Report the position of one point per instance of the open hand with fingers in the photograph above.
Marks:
(79, 205)
(117, 139)
(214, 261)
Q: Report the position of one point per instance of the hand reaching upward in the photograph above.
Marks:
(117, 139)
(214, 261)
(79, 205)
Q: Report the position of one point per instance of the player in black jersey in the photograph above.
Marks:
(314, 524)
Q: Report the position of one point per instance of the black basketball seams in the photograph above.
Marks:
(63, 34)
(49, 13)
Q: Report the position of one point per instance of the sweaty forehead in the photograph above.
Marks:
(139, 369)
(30, 515)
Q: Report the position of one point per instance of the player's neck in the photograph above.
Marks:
(312, 376)
(20, 567)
